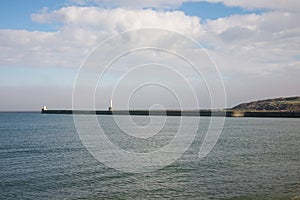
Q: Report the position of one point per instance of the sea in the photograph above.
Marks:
(42, 156)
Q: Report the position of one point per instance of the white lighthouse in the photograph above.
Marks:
(110, 108)
(44, 109)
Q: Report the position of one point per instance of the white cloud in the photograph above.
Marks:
(81, 29)
(255, 44)
(116, 20)
(41, 49)
(279, 5)
(254, 39)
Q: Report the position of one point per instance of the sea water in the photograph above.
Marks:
(42, 157)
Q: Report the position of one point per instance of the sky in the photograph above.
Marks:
(254, 45)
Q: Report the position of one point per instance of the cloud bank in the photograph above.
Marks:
(256, 44)
(251, 50)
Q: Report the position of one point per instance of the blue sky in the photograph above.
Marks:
(16, 14)
(243, 38)
(206, 10)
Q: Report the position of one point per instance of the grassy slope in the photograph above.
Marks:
(291, 104)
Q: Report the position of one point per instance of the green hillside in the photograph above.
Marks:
(290, 104)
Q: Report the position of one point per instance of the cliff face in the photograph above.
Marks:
(290, 104)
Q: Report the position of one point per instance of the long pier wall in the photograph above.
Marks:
(219, 113)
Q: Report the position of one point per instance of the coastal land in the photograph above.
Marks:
(284, 107)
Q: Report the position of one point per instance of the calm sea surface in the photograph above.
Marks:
(42, 157)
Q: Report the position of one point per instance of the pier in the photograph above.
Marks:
(207, 113)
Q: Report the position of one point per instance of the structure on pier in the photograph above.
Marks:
(44, 108)
(110, 108)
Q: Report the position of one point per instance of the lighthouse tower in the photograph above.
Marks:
(44, 109)
(110, 108)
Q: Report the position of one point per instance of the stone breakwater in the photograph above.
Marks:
(213, 113)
